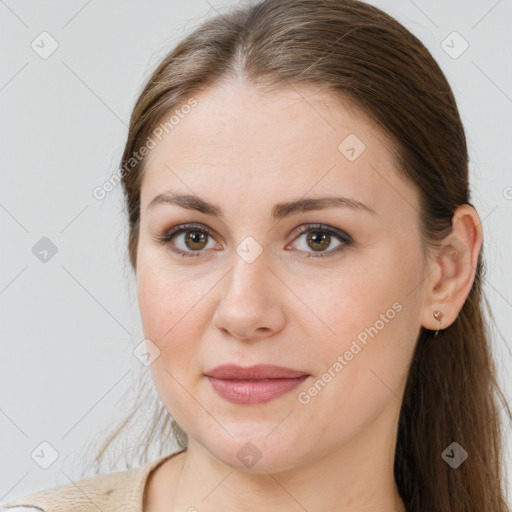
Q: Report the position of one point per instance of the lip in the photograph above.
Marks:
(256, 372)
(253, 385)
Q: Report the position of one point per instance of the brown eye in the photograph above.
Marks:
(318, 241)
(196, 240)
(318, 238)
(186, 240)
(192, 240)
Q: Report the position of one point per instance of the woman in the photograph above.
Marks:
(309, 274)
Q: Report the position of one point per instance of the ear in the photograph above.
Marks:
(453, 271)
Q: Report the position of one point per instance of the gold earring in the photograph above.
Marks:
(438, 315)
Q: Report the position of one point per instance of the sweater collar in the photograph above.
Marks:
(122, 491)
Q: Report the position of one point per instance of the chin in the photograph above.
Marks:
(255, 451)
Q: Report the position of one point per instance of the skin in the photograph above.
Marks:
(245, 151)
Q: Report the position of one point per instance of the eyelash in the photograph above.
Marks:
(166, 237)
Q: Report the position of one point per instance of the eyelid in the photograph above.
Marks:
(304, 228)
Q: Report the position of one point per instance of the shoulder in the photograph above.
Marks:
(121, 491)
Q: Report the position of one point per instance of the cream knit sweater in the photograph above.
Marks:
(114, 492)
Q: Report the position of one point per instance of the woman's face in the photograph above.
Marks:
(340, 303)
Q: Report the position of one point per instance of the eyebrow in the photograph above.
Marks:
(279, 211)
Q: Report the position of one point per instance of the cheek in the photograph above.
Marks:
(156, 303)
(373, 327)
(353, 300)
(171, 311)
(363, 372)
(175, 311)
(167, 313)
(167, 296)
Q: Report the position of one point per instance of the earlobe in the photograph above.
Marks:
(456, 259)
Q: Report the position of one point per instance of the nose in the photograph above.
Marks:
(250, 305)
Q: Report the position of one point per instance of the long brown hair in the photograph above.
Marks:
(366, 57)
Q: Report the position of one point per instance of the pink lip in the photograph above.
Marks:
(254, 385)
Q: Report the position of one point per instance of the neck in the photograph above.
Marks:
(356, 476)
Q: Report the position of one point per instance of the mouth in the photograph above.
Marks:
(254, 385)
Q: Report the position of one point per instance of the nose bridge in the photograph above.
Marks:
(248, 305)
(250, 270)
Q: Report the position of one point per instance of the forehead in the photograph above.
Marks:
(239, 143)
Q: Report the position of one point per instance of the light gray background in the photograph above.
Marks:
(69, 326)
